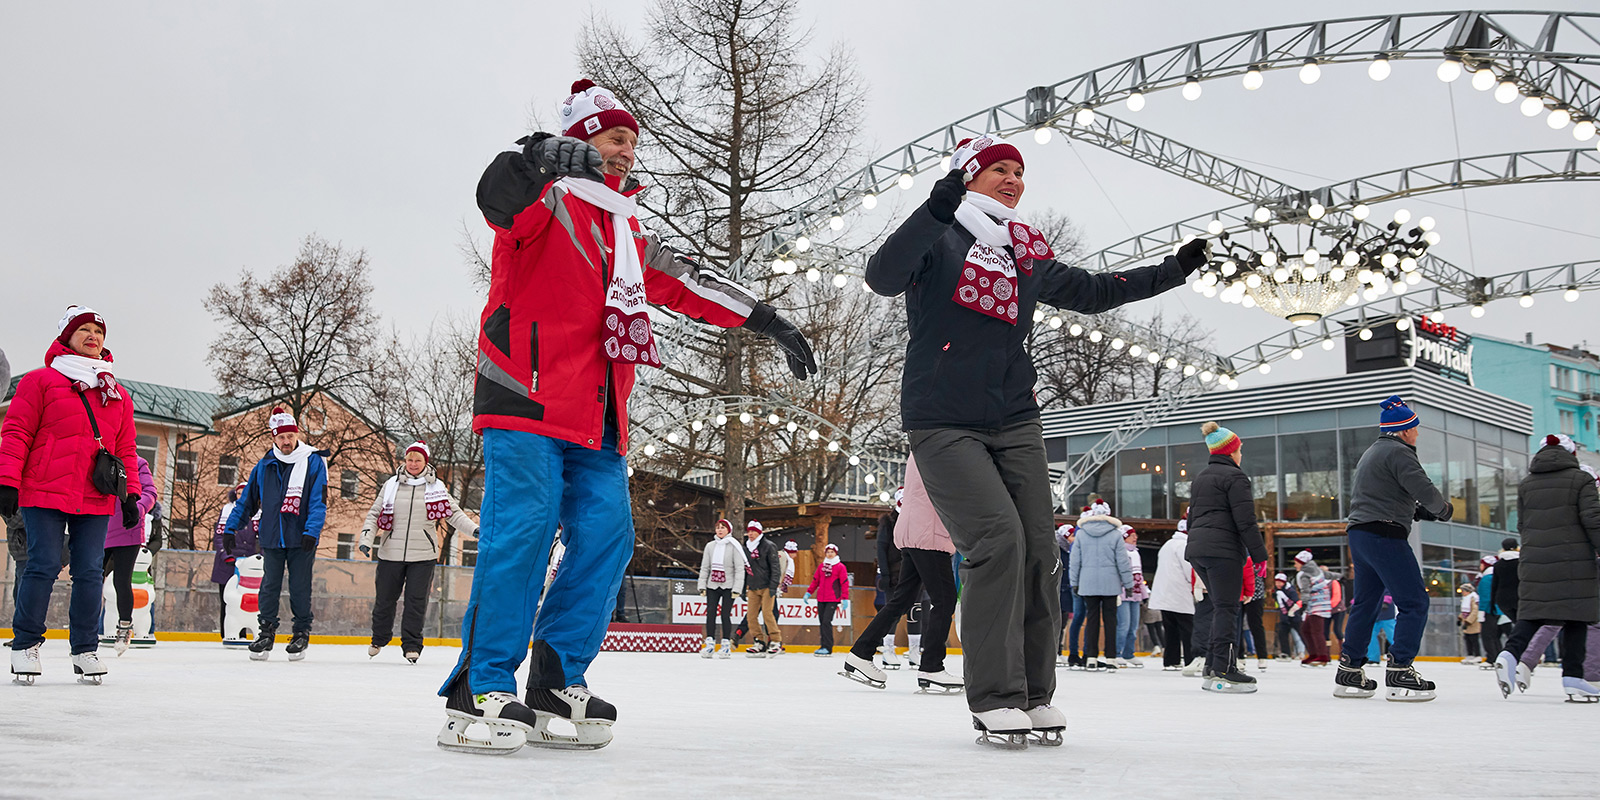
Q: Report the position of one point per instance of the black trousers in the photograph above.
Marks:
(1574, 642)
(719, 602)
(119, 565)
(1492, 634)
(1202, 622)
(1099, 609)
(825, 612)
(1179, 628)
(298, 561)
(919, 570)
(1219, 638)
(1472, 645)
(222, 610)
(414, 579)
(1251, 612)
(1286, 626)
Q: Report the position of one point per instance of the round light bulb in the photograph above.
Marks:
(802, 244)
(1229, 268)
(1570, 295)
(1505, 92)
(1214, 227)
(1311, 255)
(1135, 101)
(1310, 72)
(1188, 370)
(1526, 301)
(1558, 119)
(1583, 131)
(1327, 343)
(1042, 136)
(1350, 258)
(1116, 343)
(1253, 280)
(1398, 287)
(833, 447)
(1172, 363)
(1135, 350)
(721, 419)
(1426, 223)
(1388, 260)
(1483, 79)
(1269, 258)
(1408, 264)
(855, 460)
(672, 438)
(1297, 354)
(869, 201)
(1448, 70)
(792, 426)
(1413, 278)
(1477, 311)
(1402, 216)
(1191, 89)
(1436, 315)
(1096, 336)
(1531, 106)
(1265, 368)
(772, 419)
(1365, 334)
(1075, 329)
(1364, 276)
(1262, 214)
(1154, 358)
(1252, 79)
(814, 435)
(839, 281)
(1280, 274)
(1402, 324)
(1337, 274)
(836, 222)
(649, 449)
(1205, 376)
(813, 274)
(906, 181)
(1316, 211)
(1378, 69)
(1055, 323)
(1084, 117)
(1308, 273)
(1431, 237)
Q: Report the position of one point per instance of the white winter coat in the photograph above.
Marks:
(1172, 589)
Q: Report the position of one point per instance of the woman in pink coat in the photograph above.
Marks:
(123, 543)
(831, 586)
(48, 448)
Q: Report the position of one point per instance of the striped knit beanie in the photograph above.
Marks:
(1397, 416)
(1220, 440)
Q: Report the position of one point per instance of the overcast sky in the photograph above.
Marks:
(153, 149)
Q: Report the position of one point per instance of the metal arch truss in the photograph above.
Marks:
(653, 432)
(1536, 50)
(1580, 275)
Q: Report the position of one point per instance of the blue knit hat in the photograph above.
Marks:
(1397, 416)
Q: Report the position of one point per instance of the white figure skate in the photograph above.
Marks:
(1003, 728)
(864, 671)
(25, 665)
(1579, 690)
(940, 682)
(88, 667)
(1048, 725)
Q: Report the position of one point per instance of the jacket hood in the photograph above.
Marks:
(1552, 458)
(1099, 525)
(59, 349)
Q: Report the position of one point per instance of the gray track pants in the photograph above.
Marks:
(992, 490)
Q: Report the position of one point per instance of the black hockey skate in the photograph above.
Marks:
(508, 721)
(297, 646)
(261, 646)
(1405, 685)
(862, 670)
(591, 718)
(1230, 681)
(1351, 681)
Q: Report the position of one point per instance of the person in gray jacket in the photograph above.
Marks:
(722, 570)
(1390, 492)
(1098, 566)
(405, 517)
(1558, 507)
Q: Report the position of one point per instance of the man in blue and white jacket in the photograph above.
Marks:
(289, 486)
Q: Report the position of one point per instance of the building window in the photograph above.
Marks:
(349, 484)
(1569, 422)
(148, 446)
(1562, 378)
(227, 470)
(185, 466)
(1310, 475)
(1187, 461)
(180, 536)
(1461, 479)
(1261, 464)
(1491, 485)
(1142, 482)
(347, 542)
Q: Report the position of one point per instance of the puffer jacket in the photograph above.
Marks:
(966, 369)
(919, 527)
(414, 537)
(1222, 514)
(244, 544)
(264, 493)
(47, 446)
(1099, 562)
(118, 535)
(1316, 589)
(1559, 512)
(733, 566)
(1173, 587)
(830, 583)
(541, 364)
(763, 568)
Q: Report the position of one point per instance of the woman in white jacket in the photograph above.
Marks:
(722, 568)
(1172, 593)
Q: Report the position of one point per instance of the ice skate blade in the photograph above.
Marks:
(1353, 693)
(929, 687)
(863, 679)
(506, 736)
(1047, 737)
(1409, 695)
(891, 666)
(589, 735)
(1224, 687)
(1582, 698)
(301, 656)
(262, 656)
(1003, 741)
(23, 679)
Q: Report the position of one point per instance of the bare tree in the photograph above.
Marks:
(436, 404)
(738, 126)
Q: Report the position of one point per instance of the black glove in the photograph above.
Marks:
(1194, 255)
(764, 320)
(563, 156)
(946, 196)
(130, 511)
(228, 543)
(308, 544)
(8, 501)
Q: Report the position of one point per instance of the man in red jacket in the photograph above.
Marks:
(564, 327)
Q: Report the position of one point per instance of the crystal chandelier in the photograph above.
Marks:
(1306, 286)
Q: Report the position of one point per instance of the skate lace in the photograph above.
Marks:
(89, 658)
(576, 692)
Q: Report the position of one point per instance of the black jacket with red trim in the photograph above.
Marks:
(970, 370)
(541, 367)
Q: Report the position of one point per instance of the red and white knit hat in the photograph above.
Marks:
(974, 155)
(830, 546)
(591, 109)
(76, 316)
(281, 421)
(791, 547)
(1562, 441)
(754, 525)
(420, 446)
(1302, 557)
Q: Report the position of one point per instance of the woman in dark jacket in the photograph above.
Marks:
(1559, 509)
(1222, 534)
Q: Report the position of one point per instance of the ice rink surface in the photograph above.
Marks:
(193, 720)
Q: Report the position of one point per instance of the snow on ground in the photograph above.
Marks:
(190, 720)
